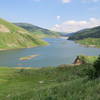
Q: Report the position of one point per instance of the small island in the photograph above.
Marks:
(28, 57)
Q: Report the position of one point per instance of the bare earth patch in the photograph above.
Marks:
(3, 28)
(28, 57)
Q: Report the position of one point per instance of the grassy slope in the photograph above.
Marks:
(17, 37)
(61, 83)
(38, 31)
(88, 59)
(88, 37)
(93, 42)
(88, 33)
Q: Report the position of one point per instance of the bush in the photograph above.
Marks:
(87, 70)
(97, 67)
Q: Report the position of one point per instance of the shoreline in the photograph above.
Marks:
(23, 47)
(89, 46)
(29, 47)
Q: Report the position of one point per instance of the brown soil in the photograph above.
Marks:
(3, 28)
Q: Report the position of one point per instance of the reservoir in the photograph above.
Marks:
(59, 51)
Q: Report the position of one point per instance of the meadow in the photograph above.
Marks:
(64, 82)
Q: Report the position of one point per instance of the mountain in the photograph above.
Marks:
(12, 36)
(38, 31)
(87, 33)
(67, 34)
(87, 37)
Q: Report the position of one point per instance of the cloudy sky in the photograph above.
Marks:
(58, 15)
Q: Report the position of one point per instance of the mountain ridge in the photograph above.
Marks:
(88, 37)
(38, 31)
(86, 33)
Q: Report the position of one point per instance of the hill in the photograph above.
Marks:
(38, 31)
(87, 33)
(87, 37)
(12, 36)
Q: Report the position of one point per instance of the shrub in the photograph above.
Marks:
(97, 67)
(86, 70)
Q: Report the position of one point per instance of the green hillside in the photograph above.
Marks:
(88, 37)
(12, 36)
(38, 31)
(87, 33)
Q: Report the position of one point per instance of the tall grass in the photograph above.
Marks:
(60, 83)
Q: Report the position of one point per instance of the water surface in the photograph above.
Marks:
(60, 51)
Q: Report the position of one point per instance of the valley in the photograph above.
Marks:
(49, 49)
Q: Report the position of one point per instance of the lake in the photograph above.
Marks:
(60, 51)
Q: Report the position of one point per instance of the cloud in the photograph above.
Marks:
(66, 1)
(58, 17)
(73, 25)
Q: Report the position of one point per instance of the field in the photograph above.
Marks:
(64, 82)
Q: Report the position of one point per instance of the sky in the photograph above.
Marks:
(57, 15)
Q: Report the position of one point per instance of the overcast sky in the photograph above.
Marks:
(58, 15)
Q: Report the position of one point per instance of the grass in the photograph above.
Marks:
(86, 33)
(17, 37)
(91, 42)
(38, 31)
(51, 83)
(88, 59)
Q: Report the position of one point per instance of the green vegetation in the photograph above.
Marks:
(97, 67)
(88, 37)
(91, 42)
(88, 59)
(87, 33)
(38, 31)
(52, 83)
(12, 36)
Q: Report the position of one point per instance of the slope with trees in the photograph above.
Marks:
(88, 37)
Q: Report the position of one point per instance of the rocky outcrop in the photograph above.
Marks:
(79, 61)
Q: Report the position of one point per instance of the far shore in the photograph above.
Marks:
(89, 46)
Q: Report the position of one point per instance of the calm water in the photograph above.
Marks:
(60, 51)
